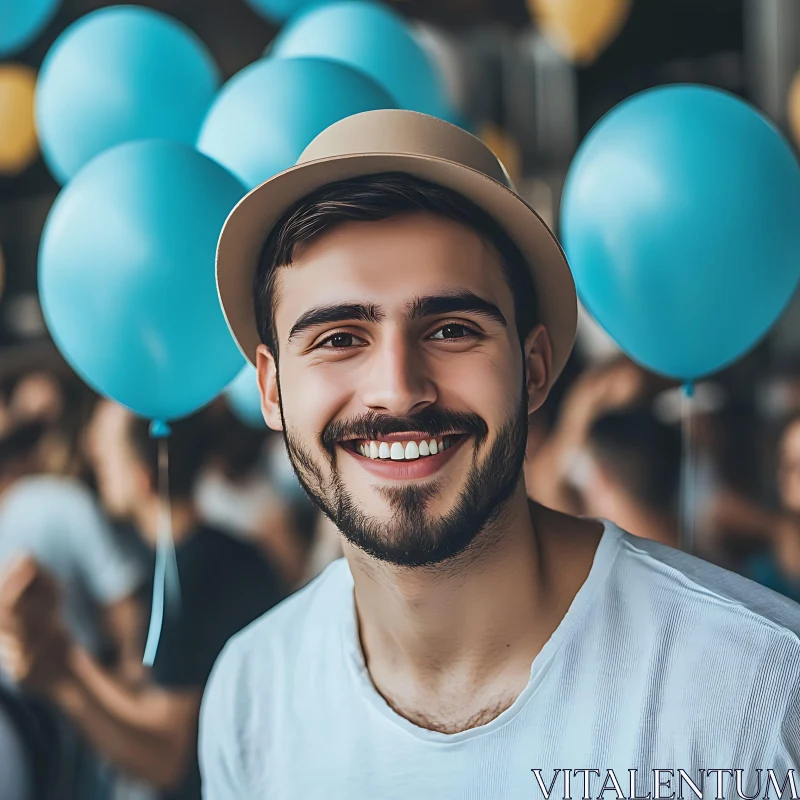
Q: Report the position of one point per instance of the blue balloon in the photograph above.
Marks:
(244, 398)
(21, 21)
(373, 39)
(460, 119)
(267, 114)
(281, 10)
(681, 222)
(126, 277)
(116, 75)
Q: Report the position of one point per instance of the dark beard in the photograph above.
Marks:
(411, 538)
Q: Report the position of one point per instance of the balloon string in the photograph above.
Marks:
(166, 584)
(688, 482)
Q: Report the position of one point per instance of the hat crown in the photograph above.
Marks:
(410, 132)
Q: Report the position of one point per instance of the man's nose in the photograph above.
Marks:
(397, 382)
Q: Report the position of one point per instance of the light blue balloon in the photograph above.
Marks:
(681, 222)
(244, 398)
(266, 115)
(374, 39)
(460, 119)
(126, 277)
(21, 21)
(281, 10)
(116, 75)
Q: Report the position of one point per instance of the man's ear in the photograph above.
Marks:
(268, 386)
(538, 355)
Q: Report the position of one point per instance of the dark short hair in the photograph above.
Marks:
(18, 444)
(372, 198)
(641, 454)
(188, 447)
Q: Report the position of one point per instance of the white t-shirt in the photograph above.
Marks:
(56, 520)
(663, 661)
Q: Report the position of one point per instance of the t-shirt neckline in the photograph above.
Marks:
(603, 560)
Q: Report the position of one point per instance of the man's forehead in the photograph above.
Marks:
(388, 265)
(407, 302)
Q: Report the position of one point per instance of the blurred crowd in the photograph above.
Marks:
(82, 500)
(82, 488)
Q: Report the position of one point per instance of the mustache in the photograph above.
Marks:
(432, 420)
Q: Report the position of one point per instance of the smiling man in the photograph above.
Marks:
(407, 312)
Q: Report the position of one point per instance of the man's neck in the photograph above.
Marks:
(473, 625)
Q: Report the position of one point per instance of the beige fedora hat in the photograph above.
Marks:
(394, 141)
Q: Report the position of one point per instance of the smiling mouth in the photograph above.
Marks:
(411, 448)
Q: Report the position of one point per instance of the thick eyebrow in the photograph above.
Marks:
(432, 305)
(427, 306)
(342, 312)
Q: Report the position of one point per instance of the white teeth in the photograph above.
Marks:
(402, 451)
(398, 452)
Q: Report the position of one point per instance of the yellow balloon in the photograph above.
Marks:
(503, 145)
(19, 146)
(794, 108)
(580, 29)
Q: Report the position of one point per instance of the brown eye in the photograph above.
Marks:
(453, 331)
(339, 341)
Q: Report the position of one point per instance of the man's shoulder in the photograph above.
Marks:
(288, 646)
(708, 590)
(294, 622)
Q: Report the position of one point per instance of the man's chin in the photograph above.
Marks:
(413, 503)
(403, 537)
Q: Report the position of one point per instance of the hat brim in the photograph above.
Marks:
(247, 227)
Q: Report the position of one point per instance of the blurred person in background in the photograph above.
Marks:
(248, 489)
(41, 397)
(558, 460)
(16, 777)
(778, 566)
(56, 520)
(631, 474)
(36, 386)
(552, 458)
(236, 494)
(148, 731)
(323, 543)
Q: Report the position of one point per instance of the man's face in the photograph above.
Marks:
(401, 386)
